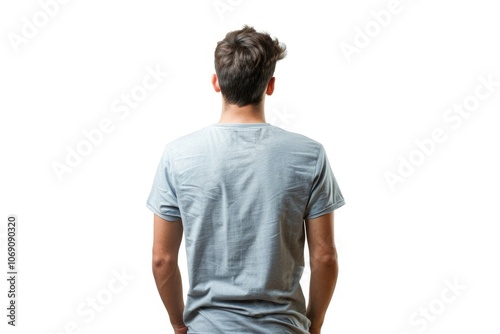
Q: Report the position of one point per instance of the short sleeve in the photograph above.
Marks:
(162, 199)
(325, 195)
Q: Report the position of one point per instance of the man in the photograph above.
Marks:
(245, 194)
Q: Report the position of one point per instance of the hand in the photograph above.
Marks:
(180, 329)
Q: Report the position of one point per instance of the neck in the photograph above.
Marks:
(231, 113)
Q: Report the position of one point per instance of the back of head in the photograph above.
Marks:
(244, 63)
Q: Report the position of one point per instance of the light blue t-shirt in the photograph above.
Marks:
(243, 191)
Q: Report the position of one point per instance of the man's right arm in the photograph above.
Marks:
(324, 268)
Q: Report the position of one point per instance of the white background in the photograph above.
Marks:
(397, 247)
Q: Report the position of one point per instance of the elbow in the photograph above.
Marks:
(325, 260)
(163, 263)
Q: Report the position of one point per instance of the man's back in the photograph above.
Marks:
(243, 191)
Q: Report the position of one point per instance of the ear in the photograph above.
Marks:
(215, 83)
(270, 87)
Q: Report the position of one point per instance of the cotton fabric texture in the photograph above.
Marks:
(243, 192)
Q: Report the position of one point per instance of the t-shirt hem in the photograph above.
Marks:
(328, 209)
(161, 215)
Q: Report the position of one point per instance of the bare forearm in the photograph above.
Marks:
(169, 284)
(322, 284)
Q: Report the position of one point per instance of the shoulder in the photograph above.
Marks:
(185, 142)
(297, 140)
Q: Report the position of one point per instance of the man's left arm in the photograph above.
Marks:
(166, 243)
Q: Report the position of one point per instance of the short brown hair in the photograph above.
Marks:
(244, 63)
